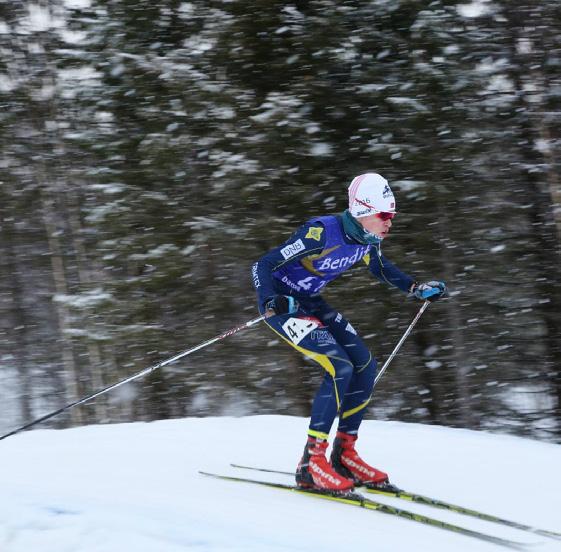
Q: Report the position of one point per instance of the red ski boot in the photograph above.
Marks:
(314, 470)
(346, 462)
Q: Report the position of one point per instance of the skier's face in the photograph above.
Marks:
(376, 225)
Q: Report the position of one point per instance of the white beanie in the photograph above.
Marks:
(370, 193)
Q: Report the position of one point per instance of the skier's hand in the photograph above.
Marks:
(429, 291)
(281, 304)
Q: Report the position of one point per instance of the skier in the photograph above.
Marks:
(289, 279)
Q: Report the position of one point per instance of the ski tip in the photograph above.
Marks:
(255, 468)
(546, 533)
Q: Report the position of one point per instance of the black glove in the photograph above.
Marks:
(429, 291)
(281, 304)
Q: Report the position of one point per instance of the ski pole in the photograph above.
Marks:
(135, 376)
(400, 342)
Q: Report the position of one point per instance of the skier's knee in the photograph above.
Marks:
(370, 367)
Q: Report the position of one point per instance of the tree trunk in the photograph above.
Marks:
(86, 282)
(541, 212)
(16, 333)
(61, 288)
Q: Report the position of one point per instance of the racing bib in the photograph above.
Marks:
(297, 329)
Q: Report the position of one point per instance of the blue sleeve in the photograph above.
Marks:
(389, 273)
(309, 239)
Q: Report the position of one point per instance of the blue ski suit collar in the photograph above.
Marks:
(354, 230)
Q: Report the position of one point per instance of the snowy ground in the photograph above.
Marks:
(136, 487)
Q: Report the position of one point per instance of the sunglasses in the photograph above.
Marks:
(384, 215)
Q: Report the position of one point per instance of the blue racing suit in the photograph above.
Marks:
(318, 252)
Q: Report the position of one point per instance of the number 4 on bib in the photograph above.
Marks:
(297, 329)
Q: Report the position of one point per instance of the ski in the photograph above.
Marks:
(396, 492)
(356, 499)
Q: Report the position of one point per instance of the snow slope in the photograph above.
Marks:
(136, 487)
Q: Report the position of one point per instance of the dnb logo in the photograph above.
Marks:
(292, 249)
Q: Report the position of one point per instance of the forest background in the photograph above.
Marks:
(151, 151)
